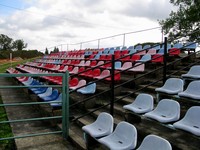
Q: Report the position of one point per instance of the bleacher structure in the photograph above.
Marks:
(108, 80)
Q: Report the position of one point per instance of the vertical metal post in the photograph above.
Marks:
(65, 105)
(124, 40)
(80, 46)
(67, 47)
(165, 61)
(98, 44)
(112, 85)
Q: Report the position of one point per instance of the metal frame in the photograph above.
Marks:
(65, 105)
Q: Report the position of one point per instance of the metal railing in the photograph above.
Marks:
(65, 104)
(165, 75)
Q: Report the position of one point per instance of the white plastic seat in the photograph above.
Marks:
(193, 73)
(192, 91)
(74, 71)
(167, 111)
(125, 66)
(124, 137)
(172, 86)
(191, 121)
(142, 104)
(138, 67)
(153, 142)
(103, 126)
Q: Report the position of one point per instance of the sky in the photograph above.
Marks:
(64, 23)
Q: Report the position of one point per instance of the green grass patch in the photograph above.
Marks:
(5, 66)
(5, 131)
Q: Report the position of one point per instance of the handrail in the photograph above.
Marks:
(167, 64)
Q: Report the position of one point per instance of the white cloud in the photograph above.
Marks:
(47, 23)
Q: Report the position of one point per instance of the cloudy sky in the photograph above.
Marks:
(49, 23)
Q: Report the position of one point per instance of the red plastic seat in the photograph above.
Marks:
(85, 74)
(73, 82)
(96, 72)
(70, 68)
(135, 57)
(106, 65)
(174, 52)
(102, 57)
(64, 69)
(127, 58)
(158, 58)
(104, 73)
(108, 57)
(117, 77)
(93, 63)
(124, 52)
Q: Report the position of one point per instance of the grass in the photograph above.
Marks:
(8, 64)
(5, 129)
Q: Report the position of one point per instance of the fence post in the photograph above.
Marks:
(65, 105)
(165, 61)
(112, 85)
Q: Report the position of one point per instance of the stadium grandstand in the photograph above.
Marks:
(120, 97)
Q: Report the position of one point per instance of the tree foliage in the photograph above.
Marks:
(46, 51)
(185, 22)
(56, 50)
(5, 42)
(19, 44)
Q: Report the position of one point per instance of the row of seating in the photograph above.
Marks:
(175, 86)
(166, 111)
(124, 137)
(48, 94)
(129, 66)
(90, 74)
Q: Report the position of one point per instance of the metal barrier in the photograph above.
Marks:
(65, 104)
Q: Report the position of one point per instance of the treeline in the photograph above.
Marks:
(24, 54)
(16, 47)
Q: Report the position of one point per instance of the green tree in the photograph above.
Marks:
(19, 44)
(56, 50)
(185, 22)
(5, 42)
(46, 51)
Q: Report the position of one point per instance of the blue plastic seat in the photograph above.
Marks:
(40, 90)
(103, 126)
(153, 142)
(190, 45)
(48, 92)
(190, 122)
(89, 89)
(28, 82)
(124, 137)
(145, 58)
(166, 111)
(54, 95)
(146, 46)
(178, 45)
(58, 101)
(142, 104)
